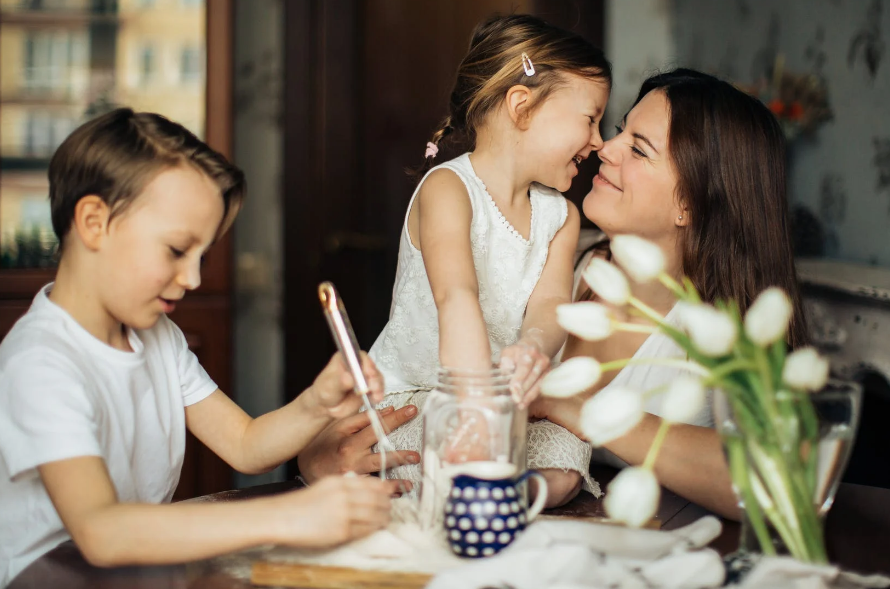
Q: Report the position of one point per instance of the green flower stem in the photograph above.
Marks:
(635, 327)
(738, 465)
(672, 285)
(647, 311)
(657, 441)
(721, 371)
(673, 362)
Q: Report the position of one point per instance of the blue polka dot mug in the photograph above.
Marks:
(485, 510)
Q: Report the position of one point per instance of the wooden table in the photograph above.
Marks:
(858, 532)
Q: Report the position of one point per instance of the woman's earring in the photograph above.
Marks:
(680, 217)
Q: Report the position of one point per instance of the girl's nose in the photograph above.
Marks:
(596, 139)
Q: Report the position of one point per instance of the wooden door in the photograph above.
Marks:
(366, 84)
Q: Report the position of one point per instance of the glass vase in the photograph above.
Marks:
(786, 457)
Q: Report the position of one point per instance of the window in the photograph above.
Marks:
(49, 56)
(44, 132)
(190, 65)
(147, 64)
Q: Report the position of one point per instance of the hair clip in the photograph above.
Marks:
(431, 149)
(527, 65)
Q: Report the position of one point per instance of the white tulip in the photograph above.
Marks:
(589, 321)
(607, 281)
(573, 376)
(712, 331)
(805, 369)
(632, 496)
(640, 258)
(768, 316)
(610, 414)
(683, 400)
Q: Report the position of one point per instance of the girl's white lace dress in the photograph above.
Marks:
(507, 269)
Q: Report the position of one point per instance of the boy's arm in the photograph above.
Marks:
(109, 533)
(258, 445)
(445, 214)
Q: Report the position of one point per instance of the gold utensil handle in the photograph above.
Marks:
(344, 336)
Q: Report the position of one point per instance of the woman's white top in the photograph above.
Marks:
(507, 270)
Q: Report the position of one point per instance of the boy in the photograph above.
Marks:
(97, 385)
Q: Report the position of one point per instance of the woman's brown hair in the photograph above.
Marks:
(494, 63)
(115, 156)
(728, 151)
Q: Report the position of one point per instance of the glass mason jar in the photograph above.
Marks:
(470, 416)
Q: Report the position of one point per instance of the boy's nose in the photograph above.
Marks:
(596, 139)
(190, 276)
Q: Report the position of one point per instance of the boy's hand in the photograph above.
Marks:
(334, 388)
(529, 365)
(334, 511)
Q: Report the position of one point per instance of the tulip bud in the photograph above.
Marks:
(607, 281)
(805, 369)
(589, 321)
(573, 376)
(712, 331)
(610, 414)
(683, 400)
(632, 496)
(768, 316)
(640, 258)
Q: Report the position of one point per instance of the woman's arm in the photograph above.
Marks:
(110, 533)
(445, 214)
(690, 462)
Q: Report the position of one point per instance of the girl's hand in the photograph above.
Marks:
(529, 365)
(334, 511)
(334, 388)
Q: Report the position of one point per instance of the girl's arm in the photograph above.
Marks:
(110, 533)
(690, 462)
(554, 287)
(258, 445)
(541, 336)
(445, 214)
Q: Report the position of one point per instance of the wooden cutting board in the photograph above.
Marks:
(310, 576)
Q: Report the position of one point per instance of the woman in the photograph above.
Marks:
(697, 167)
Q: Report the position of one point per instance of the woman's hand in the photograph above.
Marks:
(529, 365)
(345, 446)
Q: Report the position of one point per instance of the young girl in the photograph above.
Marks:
(486, 250)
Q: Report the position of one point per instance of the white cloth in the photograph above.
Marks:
(507, 269)
(65, 394)
(578, 554)
(646, 377)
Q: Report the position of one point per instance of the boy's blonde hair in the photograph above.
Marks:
(116, 155)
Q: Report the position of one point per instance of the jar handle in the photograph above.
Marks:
(541, 498)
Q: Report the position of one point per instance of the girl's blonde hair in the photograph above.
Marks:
(494, 64)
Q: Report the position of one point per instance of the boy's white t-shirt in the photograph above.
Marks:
(64, 394)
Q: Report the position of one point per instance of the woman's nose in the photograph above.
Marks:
(608, 152)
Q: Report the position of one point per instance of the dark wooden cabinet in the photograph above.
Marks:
(205, 316)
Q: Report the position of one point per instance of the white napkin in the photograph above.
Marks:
(571, 554)
(785, 572)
